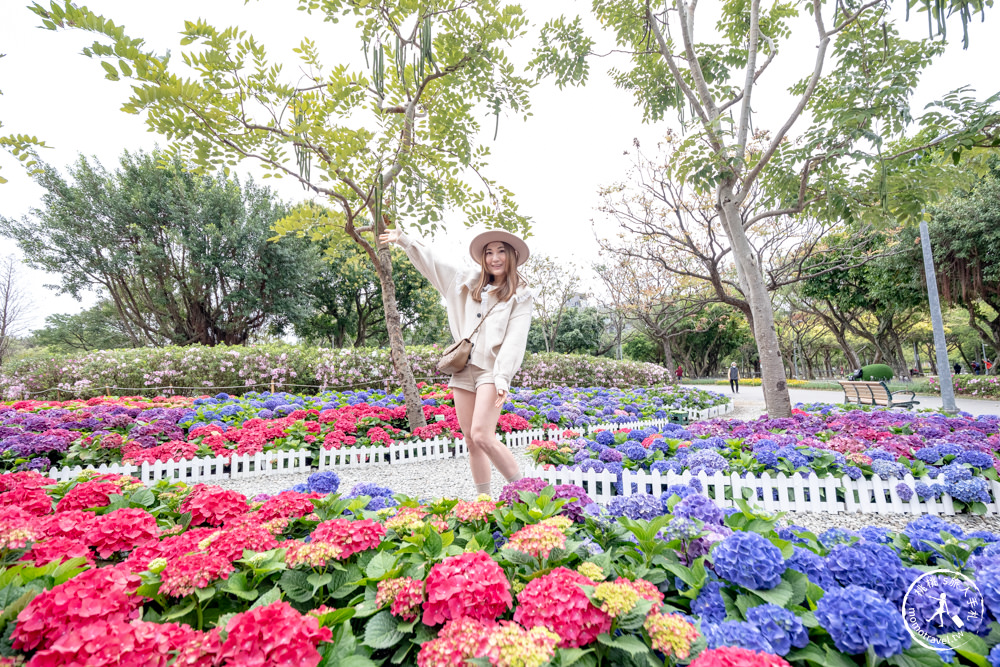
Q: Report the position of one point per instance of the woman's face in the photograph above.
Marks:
(495, 257)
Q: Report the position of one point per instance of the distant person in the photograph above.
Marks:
(975, 368)
(734, 378)
(958, 368)
(679, 372)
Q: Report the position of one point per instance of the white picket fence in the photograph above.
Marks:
(211, 469)
(830, 495)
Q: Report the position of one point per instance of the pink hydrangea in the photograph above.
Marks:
(469, 584)
(116, 644)
(73, 604)
(192, 571)
(57, 550)
(557, 602)
(252, 639)
(88, 494)
(121, 530)
(214, 505)
(351, 536)
(459, 641)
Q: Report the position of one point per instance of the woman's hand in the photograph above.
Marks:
(501, 398)
(390, 236)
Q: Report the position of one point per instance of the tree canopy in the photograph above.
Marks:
(184, 258)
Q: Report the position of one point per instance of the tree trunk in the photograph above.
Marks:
(773, 379)
(397, 349)
(668, 356)
(931, 360)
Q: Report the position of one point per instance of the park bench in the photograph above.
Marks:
(874, 393)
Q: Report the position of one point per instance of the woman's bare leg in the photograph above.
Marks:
(484, 433)
(479, 463)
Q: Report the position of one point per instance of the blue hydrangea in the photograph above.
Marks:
(667, 465)
(781, 627)
(929, 455)
(679, 528)
(611, 456)
(969, 491)
(813, 566)
(708, 461)
(854, 472)
(988, 581)
(875, 534)
(660, 445)
(695, 484)
(904, 492)
(323, 482)
(605, 438)
(766, 458)
(975, 459)
(995, 656)
(618, 505)
(880, 455)
(955, 472)
(369, 489)
(927, 529)
(696, 506)
(713, 442)
(380, 502)
(642, 506)
(553, 416)
(927, 492)
(592, 464)
(924, 607)
(858, 618)
(870, 565)
(889, 469)
(791, 533)
(635, 452)
(793, 456)
(709, 605)
(300, 488)
(736, 633)
(833, 536)
(638, 434)
(748, 559)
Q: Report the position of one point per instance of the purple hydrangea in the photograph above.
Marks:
(736, 633)
(611, 456)
(750, 560)
(781, 627)
(904, 492)
(572, 508)
(708, 461)
(696, 506)
(511, 492)
(858, 618)
(642, 506)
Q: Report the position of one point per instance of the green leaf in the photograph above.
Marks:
(433, 544)
(969, 646)
(112, 73)
(573, 656)
(812, 653)
(296, 585)
(517, 557)
(380, 565)
(317, 580)
(180, 610)
(628, 643)
(143, 497)
(780, 595)
(267, 598)
(381, 632)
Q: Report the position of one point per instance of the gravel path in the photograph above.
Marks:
(451, 478)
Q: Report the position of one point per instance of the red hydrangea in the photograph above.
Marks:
(72, 524)
(122, 530)
(88, 494)
(28, 479)
(459, 641)
(186, 573)
(175, 450)
(73, 604)
(733, 656)
(29, 499)
(169, 548)
(56, 550)
(213, 505)
(116, 644)
(351, 536)
(287, 505)
(469, 584)
(511, 422)
(273, 635)
(557, 602)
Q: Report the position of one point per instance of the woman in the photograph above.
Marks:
(495, 296)
(734, 378)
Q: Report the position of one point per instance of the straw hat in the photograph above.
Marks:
(482, 240)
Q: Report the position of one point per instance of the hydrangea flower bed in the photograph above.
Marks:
(37, 434)
(103, 571)
(958, 453)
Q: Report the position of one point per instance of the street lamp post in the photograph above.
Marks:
(944, 368)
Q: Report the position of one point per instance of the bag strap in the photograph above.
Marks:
(484, 319)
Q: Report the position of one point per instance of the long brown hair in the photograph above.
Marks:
(513, 277)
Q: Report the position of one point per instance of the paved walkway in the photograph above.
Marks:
(752, 398)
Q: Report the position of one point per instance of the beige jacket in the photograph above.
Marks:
(500, 343)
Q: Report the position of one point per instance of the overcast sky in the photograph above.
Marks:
(554, 163)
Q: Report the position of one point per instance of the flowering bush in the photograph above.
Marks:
(313, 579)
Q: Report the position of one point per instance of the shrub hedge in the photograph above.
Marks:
(303, 369)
